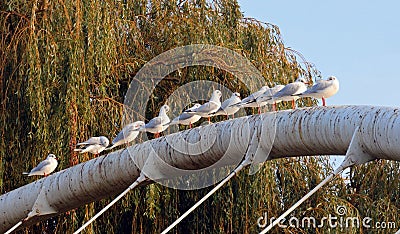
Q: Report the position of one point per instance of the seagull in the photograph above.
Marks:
(250, 101)
(267, 96)
(228, 107)
(157, 124)
(94, 145)
(45, 167)
(209, 107)
(187, 118)
(323, 89)
(127, 134)
(291, 91)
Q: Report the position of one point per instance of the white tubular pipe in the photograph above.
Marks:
(301, 132)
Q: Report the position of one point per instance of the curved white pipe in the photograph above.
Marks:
(301, 132)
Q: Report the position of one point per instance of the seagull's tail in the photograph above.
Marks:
(303, 94)
(175, 121)
(25, 173)
(242, 104)
(220, 111)
(189, 111)
(249, 102)
(236, 105)
(78, 150)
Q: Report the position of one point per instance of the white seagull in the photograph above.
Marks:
(127, 134)
(209, 107)
(250, 101)
(228, 107)
(291, 91)
(45, 167)
(267, 96)
(94, 145)
(187, 118)
(323, 89)
(157, 124)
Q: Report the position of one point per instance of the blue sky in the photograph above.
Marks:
(356, 41)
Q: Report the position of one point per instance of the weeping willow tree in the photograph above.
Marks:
(65, 68)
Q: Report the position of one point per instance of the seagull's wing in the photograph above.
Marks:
(120, 135)
(248, 99)
(184, 116)
(267, 95)
(207, 107)
(124, 133)
(181, 117)
(318, 87)
(91, 141)
(263, 98)
(41, 165)
(288, 90)
(175, 120)
(227, 103)
(154, 122)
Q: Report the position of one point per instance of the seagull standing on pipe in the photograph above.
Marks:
(157, 124)
(127, 134)
(187, 118)
(45, 167)
(291, 91)
(266, 97)
(323, 89)
(94, 145)
(228, 107)
(209, 107)
(251, 101)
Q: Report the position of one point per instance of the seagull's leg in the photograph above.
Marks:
(209, 119)
(259, 110)
(323, 101)
(190, 125)
(274, 106)
(227, 117)
(156, 135)
(293, 104)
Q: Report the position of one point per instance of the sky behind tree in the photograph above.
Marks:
(356, 41)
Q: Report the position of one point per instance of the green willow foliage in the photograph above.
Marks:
(64, 70)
